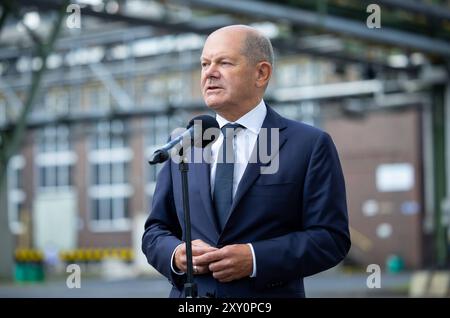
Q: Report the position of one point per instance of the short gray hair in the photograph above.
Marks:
(257, 48)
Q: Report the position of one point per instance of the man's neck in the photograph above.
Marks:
(233, 115)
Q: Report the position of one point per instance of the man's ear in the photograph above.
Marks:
(263, 73)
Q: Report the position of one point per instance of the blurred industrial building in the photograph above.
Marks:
(120, 75)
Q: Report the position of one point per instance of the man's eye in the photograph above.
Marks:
(204, 64)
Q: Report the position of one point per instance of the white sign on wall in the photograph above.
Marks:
(395, 177)
(55, 220)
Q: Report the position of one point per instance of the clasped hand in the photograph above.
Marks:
(226, 264)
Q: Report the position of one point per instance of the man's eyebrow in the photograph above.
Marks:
(220, 57)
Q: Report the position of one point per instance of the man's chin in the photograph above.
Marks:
(214, 105)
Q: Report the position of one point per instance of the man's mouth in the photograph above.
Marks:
(213, 88)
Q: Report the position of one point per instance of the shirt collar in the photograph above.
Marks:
(252, 120)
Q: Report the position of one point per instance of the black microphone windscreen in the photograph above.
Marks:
(206, 122)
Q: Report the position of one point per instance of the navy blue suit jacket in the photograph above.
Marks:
(296, 218)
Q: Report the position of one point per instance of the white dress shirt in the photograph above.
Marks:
(243, 143)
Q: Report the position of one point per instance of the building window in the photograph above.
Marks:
(160, 91)
(300, 73)
(98, 98)
(154, 92)
(109, 135)
(3, 117)
(16, 194)
(287, 75)
(55, 159)
(54, 139)
(52, 176)
(109, 172)
(176, 89)
(158, 134)
(158, 130)
(109, 189)
(109, 213)
(57, 102)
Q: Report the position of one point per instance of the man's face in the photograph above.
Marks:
(227, 78)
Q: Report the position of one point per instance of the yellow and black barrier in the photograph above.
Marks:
(96, 254)
(24, 255)
(92, 255)
(30, 262)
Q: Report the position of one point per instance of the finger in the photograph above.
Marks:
(206, 258)
(220, 265)
(199, 242)
(200, 270)
(224, 276)
(181, 265)
(203, 247)
(199, 250)
(227, 279)
(183, 269)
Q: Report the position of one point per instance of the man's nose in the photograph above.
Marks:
(212, 72)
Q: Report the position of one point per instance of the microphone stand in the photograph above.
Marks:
(161, 155)
(190, 287)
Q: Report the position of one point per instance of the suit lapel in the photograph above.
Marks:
(202, 175)
(253, 170)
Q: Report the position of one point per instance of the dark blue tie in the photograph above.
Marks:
(223, 184)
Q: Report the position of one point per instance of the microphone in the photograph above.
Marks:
(193, 135)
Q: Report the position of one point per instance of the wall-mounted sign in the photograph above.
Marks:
(370, 208)
(410, 207)
(394, 177)
(384, 230)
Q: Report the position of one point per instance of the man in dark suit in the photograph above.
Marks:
(256, 232)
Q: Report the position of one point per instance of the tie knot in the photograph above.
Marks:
(230, 128)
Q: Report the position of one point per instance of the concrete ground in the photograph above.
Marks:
(328, 284)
